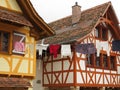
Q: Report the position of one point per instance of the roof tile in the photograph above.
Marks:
(14, 82)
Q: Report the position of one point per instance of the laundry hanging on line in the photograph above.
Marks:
(105, 46)
(41, 47)
(54, 49)
(116, 45)
(102, 45)
(88, 48)
(66, 50)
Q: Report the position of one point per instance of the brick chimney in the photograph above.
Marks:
(76, 13)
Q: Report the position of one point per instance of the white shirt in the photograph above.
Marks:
(66, 50)
(41, 47)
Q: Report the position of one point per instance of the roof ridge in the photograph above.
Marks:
(81, 12)
(60, 19)
(96, 6)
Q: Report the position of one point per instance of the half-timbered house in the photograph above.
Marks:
(20, 27)
(96, 68)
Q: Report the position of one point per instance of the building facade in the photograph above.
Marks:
(18, 34)
(86, 68)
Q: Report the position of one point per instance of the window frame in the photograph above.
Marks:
(96, 59)
(90, 60)
(9, 39)
(114, 63)
(10, 42)
(19, 42)
(101, 65)
(99, 30)
(10, 29)
(105, 63)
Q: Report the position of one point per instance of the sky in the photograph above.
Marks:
(51, 10)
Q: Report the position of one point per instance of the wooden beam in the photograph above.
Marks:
(116, 31)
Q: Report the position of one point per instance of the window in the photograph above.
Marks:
(90, 59)
(97, 32)
(97, 60)
(103, 61)
(101, 32)
(104, 34)
(18, 43)
(112, 62)
(4, 41)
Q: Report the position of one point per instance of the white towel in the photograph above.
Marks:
(102, 45)
(98, 47)
(41, 47)
(66, 50)
(105, 47)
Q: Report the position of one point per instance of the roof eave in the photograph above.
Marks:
(33, 16)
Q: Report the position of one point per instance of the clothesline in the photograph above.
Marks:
(66, 49)
(87, 48)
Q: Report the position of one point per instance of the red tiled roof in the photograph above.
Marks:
(14, 82)
(66, 32)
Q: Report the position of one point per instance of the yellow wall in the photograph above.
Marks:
(15, 64)
(10, 4)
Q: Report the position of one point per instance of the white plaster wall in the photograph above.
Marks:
(37, 82)
(57, 66)
(80, 78)
(105, 79)
(118, 69)
(82, 65)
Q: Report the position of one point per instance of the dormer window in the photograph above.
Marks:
(101, 33)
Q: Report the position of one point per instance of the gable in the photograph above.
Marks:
(66, 32)
(110, 22)
(22, 13)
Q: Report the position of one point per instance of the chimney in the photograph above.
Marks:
(76, 13)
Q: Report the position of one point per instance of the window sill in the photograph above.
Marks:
(99, 67)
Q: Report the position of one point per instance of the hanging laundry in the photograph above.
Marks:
(91, 48)
(105, 46)
(102, 45)
(98, 47)
(54, 49)
(41, 47)
(85, 48)
(116, 45)
(66, 50)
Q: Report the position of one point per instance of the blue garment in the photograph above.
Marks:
(88, 48)
(116, 45)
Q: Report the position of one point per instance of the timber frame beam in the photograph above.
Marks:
(111, 24)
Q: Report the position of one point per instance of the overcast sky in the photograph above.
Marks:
(51, 10)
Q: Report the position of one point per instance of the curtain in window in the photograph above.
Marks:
(18, 43)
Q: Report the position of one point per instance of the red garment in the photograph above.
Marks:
(54, 49)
